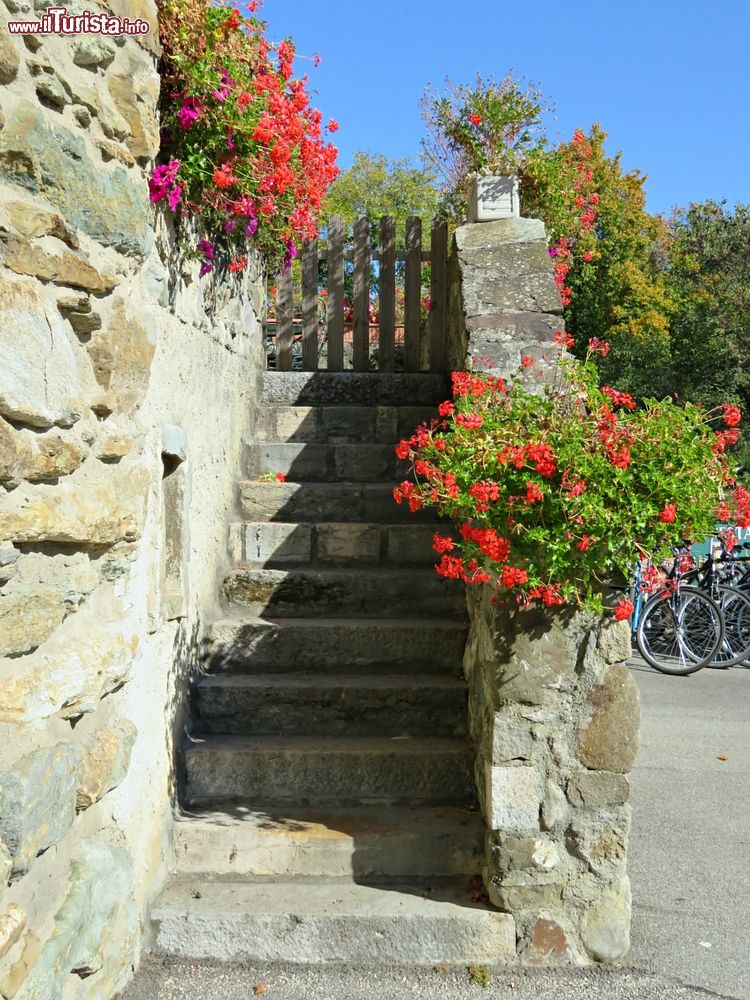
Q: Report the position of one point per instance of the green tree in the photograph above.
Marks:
(709, 276)
(376, 186)
(617, 282)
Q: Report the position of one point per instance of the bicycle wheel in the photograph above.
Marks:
(735, 646)
(680, 633)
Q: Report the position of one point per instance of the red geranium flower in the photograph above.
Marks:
(624, 609)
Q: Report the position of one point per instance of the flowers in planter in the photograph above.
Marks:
(244, 153)
(555, 492)
(488, 127)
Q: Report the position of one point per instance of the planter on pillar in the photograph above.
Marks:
(555, 720)
(493, 197)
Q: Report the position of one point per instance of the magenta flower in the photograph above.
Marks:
(174, 197)
(190, 112)
(162, 180)
(229, 225)
(251, 227)
(230, 138)
(207, 249)
(206, 266)
(291, 253)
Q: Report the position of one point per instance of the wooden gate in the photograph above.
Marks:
(362, 308)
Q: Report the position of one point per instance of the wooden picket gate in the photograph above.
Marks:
(299, 341)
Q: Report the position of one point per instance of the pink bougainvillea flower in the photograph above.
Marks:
(475, 119)
(333, 125)
(669, 514)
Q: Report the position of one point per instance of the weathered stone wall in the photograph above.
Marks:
(555, 719)
(126, 388)
(553, 713)
(502, 300)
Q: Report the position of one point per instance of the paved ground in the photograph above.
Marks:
(690, 847)
(689, 866)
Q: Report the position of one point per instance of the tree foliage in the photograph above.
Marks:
(618, 285)
(376, 186)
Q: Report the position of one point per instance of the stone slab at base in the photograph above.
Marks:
(333, 921)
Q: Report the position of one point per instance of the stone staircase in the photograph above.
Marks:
(329, 791)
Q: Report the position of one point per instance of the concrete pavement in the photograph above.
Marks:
(689, 867)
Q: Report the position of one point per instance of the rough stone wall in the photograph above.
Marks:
(126, 388)
(502, 299)
(555, 719)
(553, 714)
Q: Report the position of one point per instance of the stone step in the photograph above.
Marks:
(273, 544)
(353, 389)
(330, 921)
(343, 592)
(308, 704)
(304, 770)
(368, 424)
(366, 841)
(331, 645)
(352, 463)
(314, 502)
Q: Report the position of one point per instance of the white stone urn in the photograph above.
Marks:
(492, 197)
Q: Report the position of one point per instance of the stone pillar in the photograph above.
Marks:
(555, 720)
(554, 714)
(503, 301)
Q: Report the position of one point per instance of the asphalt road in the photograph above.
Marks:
(690, 845)
(689, 867)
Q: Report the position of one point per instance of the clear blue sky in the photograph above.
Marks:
(669, 80)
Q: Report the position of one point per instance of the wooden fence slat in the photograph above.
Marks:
(438, 295)
(412, 294)
(285, 316)
(387, 295)
(310, 305)
(361, 294)
(335, 299)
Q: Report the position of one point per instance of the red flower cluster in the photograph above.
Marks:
(490, 543)
(669, 514)
(468, 384)
(548, 500)
(726, 438)
(582, 208)
(471, 421)
(442, 543)
(512, 576)
(624, 609)
(533, 493)
(542, 458)
(732, 415)
(222, 91)
(484, 493)
(563, 339)
(597, 346)
(623, 399)
(549, 595)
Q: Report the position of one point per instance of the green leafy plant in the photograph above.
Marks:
(557, 484)
(244, 153)
(489, 127)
